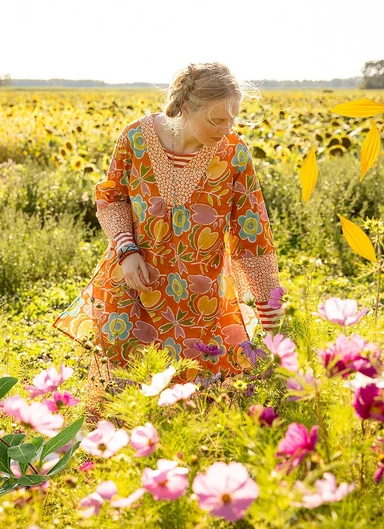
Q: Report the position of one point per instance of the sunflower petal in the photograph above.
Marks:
(370, 149)
(361, 108)
(308, 174)
(357, 239)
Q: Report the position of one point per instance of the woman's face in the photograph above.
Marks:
(209, 126)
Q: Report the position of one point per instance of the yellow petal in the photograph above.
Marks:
(308, 174)
(361, 108)
(370, 149)
(357, 239)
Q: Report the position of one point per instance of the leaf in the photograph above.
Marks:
(370, 149)
(4, 459)
(33, 479)
(14, 438)
(23, 453)
(60, 465)
(6, 383)
(8, 486)
(357, 239)
(361, 108)
(308, 174)
(62, 438)
(210, 199)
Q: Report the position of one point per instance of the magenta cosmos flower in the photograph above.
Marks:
(35, 415)
(178, 392)
(369, 402)
(351, 354)
(208, 350)
(284, 350)
(265, 416)
(105, 441)
(326, 491)
(144, 439)
(48, 380)
(61, 400)
(225, 490)
(341, 311)
(296, 444)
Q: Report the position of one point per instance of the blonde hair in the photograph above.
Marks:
(201, 85)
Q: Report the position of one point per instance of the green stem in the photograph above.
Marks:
(322, 425)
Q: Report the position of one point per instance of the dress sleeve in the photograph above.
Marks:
(254, 267)
(114, 210)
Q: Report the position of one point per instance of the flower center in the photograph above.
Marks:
(226, 498)
(102, 447)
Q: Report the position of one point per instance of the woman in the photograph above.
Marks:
(189, 236)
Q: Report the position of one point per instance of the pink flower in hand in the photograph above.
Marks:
(49, 380)
(144, 439)
(326, 491)
(178, 392)
(36, 415)
(225, 490)
(104, 491)
(341, 311)
(296, 444)
(105, 441)
(60, 400)
(284, 350)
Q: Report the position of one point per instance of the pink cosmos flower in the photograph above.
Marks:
(225, 490)
(351, 354)
(275, 300)
(168, 482)
(87, 466)
(265, 416)
(105, 491)
(36, 415)
(49, 380)
(178, 392)
(251, 352)
(60, 400)
(105, 441)
(284, 350)
(341, 311)
(326, 491)
(144, 439)
(302, 383)
(296, 444)
(369, 402)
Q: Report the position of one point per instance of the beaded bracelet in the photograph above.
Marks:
(125, 254)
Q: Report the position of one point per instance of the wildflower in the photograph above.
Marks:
(144, 439)
(105, 491)
(250, 390)
(225, 490)
(105, 441)
(265, 416)
(378, 446)
(326, 491)
(210, 350)
(369, 402)
(360, 381)
(283, 350)
(167, 482)
(275, 300)
(60, 400)
(251, 352)
(351, 354)
(341, 311)
(296, 444)
(48, 380)
(159, 382)
(178, 392)
(87, 466)
(205, 382)
(35, 415)
(302, 383)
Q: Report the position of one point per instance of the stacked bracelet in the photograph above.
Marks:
(127, 249)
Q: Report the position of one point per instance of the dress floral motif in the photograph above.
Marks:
(219, 224)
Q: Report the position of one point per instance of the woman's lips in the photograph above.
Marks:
(217, 139)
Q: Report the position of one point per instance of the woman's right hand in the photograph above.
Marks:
(132, 265)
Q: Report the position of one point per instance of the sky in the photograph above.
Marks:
(124, 41)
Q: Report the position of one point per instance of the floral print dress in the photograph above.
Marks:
(202, 254)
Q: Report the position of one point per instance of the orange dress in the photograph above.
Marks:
(202, 255)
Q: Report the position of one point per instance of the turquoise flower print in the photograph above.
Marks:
(241, 158)
(139, 207)
(221, 283)
(174, 349)
(177, 287)
(117, 326)
(250, 225)
(136, 139)
(73, 308)
(181, 220)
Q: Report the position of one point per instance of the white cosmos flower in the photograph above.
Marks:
(159, 382)
(360, 381)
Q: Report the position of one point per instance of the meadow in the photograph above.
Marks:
(299, 439)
